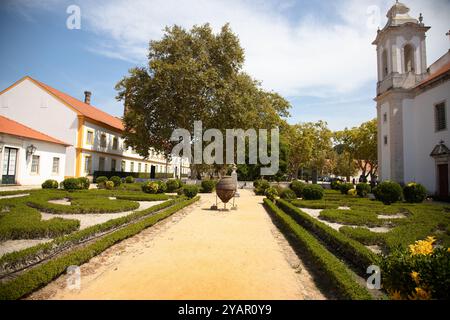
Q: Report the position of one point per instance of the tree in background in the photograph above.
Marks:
(193, 75)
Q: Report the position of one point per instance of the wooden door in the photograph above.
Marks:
(443, 180)
(9, 166)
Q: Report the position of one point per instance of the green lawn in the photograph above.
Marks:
(421, 220)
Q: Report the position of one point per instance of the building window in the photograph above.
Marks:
(384, 64)
(113, 165)
(139, 167)
(408, 51)
(35, 164)
(440, 117)
(103, 140)
(101, 164)
(55, 166)
(385, 117)
(88, 164)
(122, 166)
(132, 166)
(385, 140)
(90, 137)
(115, 145)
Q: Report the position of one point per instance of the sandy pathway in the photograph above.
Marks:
(196, 254)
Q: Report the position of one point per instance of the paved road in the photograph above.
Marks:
(196, 254)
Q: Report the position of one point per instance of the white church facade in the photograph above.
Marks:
(412, 105)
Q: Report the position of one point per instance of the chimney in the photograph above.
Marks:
(87, 97)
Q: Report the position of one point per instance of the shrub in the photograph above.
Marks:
(101, 180)
(363, 189)
(109, 185)
(50, 184)
(129, 179)
(271, 193)
(335, 184)
(352, 192)
(345, 187)
(84, 182)
(150, 187)
(162, 186)
(172, 185)
(190, 190)
(388, 192)
(116, 180)
(297, 187)
(261, 185)
(71, 184)
(414, 193)
(419, 272)
(312, 192)
(208, 186)
(288, 194)
(338, 273)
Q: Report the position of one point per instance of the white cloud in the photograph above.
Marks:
(294, 58)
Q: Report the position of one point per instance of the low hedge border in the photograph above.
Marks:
(13, 260)
(338, 272)
(353, 251)
(41, 275)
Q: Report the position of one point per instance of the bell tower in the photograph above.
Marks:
(401, 50)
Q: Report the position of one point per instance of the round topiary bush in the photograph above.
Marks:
(414, 193)
(150, 187)
(288, 194)
(297, 187)
(71, 184)
(345, 187)
(116, 180)
(190, 190)
(312, 192)
(271, 193)
(172, 185)
(109, 185)
(50, 184)
(208, 186)
(388, 192)
(101, 179)
(162, 186)
(335, 184)
(363, 189)
(129, 179)
(84, 182)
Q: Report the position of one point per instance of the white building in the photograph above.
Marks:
(29, 157)
(412, 105)
(94, 136)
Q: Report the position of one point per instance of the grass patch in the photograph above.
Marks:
(337, 271)
(364, 235)
(39, 276)
(352, 217)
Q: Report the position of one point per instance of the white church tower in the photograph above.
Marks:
(402, 64)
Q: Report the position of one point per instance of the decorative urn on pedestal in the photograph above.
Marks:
(226, 189)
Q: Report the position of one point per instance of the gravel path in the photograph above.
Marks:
(197, 254)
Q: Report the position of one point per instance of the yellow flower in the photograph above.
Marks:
(448, 250)
(395, 295)
(424, 247)
(415, 276)
(420, 294)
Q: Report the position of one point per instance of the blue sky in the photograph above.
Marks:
(317, 54)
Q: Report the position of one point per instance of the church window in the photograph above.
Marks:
(384, 64)
(440, 117)
(385, 117)
(385, 140)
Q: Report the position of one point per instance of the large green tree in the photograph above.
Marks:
(193, 75)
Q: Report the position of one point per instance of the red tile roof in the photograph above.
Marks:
(82, 108)
(14, 128)
(443, 70)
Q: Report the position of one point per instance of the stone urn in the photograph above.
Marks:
(226, 189)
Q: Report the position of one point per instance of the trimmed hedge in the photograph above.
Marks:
(42, 274)
(20, 257)
(337, 271)
(353, 251)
